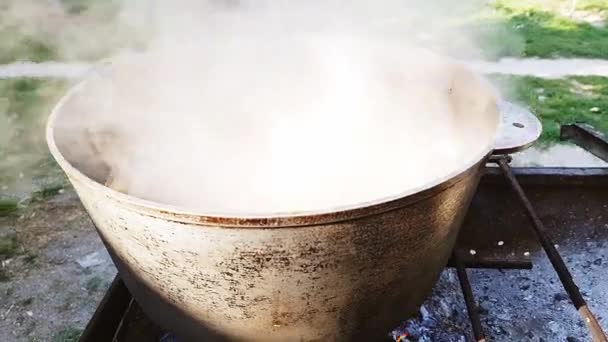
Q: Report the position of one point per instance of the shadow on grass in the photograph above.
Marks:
(535, 33)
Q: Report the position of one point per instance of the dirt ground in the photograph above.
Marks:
(54, 274)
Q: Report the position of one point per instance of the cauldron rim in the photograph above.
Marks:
(267, 220)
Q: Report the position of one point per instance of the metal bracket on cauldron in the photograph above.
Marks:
(519, 129)
(586, 137)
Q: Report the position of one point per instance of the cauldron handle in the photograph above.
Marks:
(519, 128)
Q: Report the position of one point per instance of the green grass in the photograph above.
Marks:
(540, 34)
(4, 276)
(539, 28)
(9, 246)
(68, 334)
(17, 46)
(22, 36)
(26, 167)
(593, 5)
(8, 205)
(101, 8)
(76, 30)
(90, 30)
(563, 6)
(94, 284)
(77, 6)
(47, 191)
(560, 101)
(30, 258)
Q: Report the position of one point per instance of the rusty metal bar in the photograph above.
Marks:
(469, 300)
(586, 137)
(558, 263)
(469, 261)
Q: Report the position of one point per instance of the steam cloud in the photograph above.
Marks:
(257, 107)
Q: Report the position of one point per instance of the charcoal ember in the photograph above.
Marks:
(560, 297)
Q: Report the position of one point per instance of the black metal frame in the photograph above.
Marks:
(556, 260)
(109, 314)
(597, 144)
(586, 137)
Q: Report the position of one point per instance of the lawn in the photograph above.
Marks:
(27, 170)
(37, 30)
(542, 28)
(66, 30)
(560, 101)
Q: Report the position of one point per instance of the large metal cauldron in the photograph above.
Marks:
(343, 274)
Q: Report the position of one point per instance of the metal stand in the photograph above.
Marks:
(589, 139)
(556, 260)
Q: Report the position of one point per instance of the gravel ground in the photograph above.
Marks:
(518, 305)
(54, 280)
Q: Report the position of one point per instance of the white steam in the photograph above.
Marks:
(294, 106)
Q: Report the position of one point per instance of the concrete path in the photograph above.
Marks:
(547, 68)
(562, 155)
(44, 70)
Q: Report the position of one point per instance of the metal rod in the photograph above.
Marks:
(492, 263)
(468, 297)
(560, 267)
